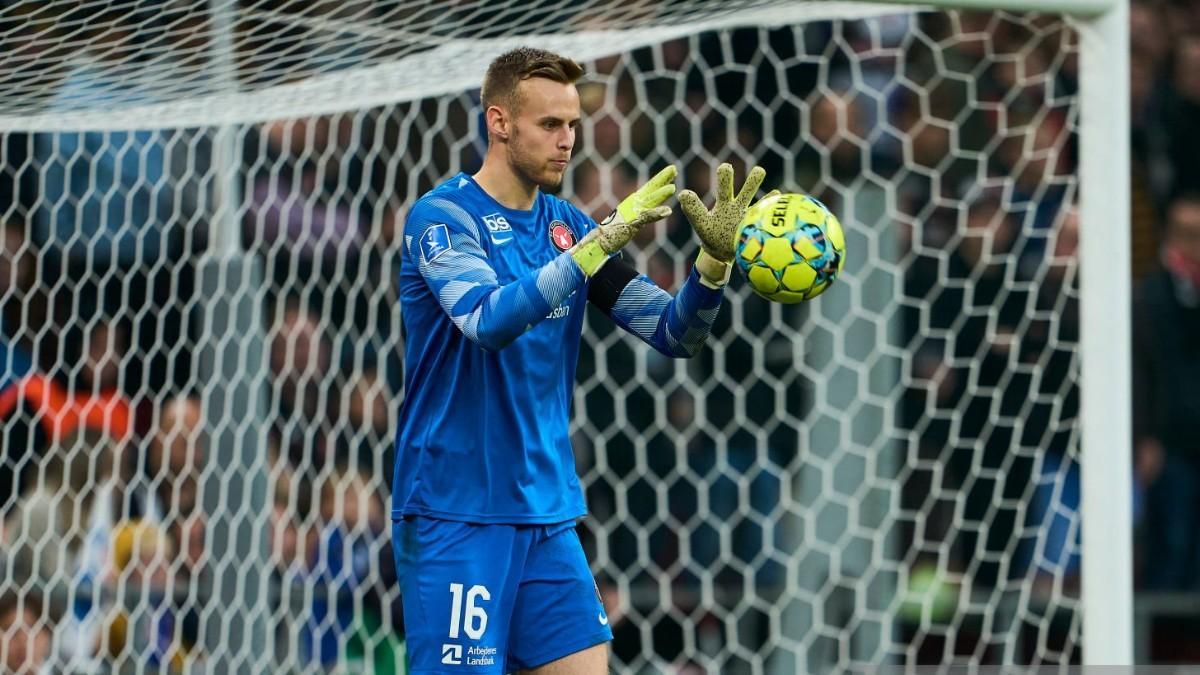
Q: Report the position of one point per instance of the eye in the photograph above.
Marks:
(549, 124)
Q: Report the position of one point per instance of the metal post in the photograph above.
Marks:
(1105, 341)
(233, 380)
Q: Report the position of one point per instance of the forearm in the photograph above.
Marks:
(495, 318)
(675, 326)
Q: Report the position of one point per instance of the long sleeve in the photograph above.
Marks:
(449, 256)
(676, 326)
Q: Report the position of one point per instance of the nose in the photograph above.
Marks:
(566, 140)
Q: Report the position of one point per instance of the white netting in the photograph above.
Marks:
(197, 447)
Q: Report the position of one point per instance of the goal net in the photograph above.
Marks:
(201, 339)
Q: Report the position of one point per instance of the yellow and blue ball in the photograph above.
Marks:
(791, 248)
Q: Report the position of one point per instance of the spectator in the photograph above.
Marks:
(92, 400)
(45, 533)
(22, 439)
(170, 509)
(148, 632)
(1150, 168)
(1039, 164)
(1183, 116)
(974, 297)
(122, 202)
(16, 279)
(104, 470)
(106, 195)
(290, 211)
(177, 453)
(834, 139)
(300, 359)
(349, 549)
(1051, 417)
(1183, 17)
(25, 631)
(176, 457)
(1167, 404)
(365, 425)
(293, 542)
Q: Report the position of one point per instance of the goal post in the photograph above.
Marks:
(930, 463)
(1105, 340)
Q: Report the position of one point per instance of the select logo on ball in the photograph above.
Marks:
(561, 236)
(790, 247)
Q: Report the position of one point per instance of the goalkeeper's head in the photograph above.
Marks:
(532, 111)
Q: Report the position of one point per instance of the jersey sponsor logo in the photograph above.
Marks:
(561, 236)
(452, 655)
(435, 242)
(481, 656)
(498, 228)
(559, 312)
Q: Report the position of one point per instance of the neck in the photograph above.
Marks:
(498, 179)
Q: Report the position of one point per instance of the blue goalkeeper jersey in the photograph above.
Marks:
(492, 307)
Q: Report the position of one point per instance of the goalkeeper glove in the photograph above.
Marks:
(718, 228)
(638, 209)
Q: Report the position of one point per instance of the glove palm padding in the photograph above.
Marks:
(718, 228)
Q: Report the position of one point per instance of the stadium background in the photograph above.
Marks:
(102, 330)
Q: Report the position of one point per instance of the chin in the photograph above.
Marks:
(550, 180)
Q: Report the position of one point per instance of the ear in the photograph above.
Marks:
(497, 122)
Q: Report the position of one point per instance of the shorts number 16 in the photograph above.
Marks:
(476, 620)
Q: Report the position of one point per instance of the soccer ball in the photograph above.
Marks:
(790, 247)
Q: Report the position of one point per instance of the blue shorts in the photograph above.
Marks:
(494, 598)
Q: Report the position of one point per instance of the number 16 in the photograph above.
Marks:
(476, 621)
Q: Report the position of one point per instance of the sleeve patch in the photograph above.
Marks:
(434, 242)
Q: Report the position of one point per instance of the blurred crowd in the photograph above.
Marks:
(966, 139)
(107, 487)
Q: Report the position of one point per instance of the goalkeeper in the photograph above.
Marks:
(493, 280)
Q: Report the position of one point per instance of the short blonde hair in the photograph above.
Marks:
(511, 68)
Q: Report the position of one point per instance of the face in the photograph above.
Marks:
(989, 233)
(1187, 68)
(177, 454)
(151, 560)
(298, 346)
(1066, 241)
(368, 404)
(102, 362)
(177, 443)
(1145, 32)
(190, 535)
(541, 133)
(26, 641)
(14, 259)
(1183, 230)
